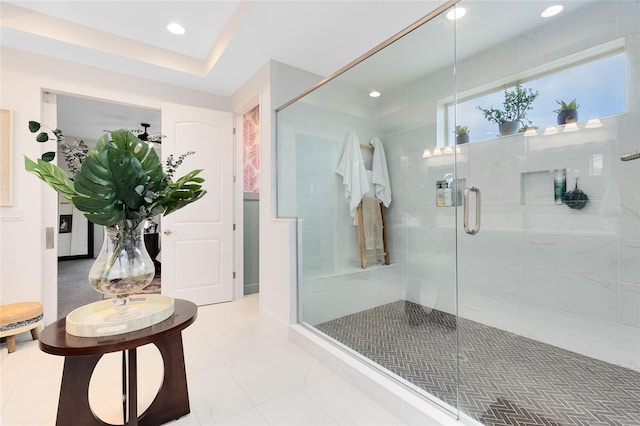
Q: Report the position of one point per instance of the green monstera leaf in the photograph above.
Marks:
(121, 178)
(110, 181)
(144, 152)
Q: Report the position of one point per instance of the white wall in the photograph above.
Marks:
(274, 84)
(27, 270)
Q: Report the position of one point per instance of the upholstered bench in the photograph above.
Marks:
(16, 318)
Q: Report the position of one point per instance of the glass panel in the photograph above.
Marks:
(401, 316)
(538, 312)
(549, 292)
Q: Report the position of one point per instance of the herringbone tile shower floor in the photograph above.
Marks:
(505, 379)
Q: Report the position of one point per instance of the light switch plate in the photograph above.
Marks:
(11, 215)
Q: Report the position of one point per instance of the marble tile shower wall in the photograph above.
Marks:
(566, 277)
(331, 283)
(333, 297)
(328, 237)
(552, 273)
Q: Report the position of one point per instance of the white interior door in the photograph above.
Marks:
(197, 240)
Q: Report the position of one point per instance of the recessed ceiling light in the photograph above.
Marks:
(175, 28)
(456, 13)
(552, 11)
(374, 94)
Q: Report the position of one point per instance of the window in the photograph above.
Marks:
(597, 85)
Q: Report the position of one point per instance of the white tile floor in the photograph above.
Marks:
(241, 370)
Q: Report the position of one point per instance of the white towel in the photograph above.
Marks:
(380, 173)
(351, 168)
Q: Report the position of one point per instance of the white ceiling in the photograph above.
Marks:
(226, 42)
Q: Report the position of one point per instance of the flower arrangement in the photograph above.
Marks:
(121, 178)
(120, 184)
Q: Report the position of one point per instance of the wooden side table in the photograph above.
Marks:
(83, 353)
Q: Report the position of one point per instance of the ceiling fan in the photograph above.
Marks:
(145, 136)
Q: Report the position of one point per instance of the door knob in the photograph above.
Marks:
(167, 232)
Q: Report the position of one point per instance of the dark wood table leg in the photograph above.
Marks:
(73, 405)
(132, 394)
(124, 388)
(172, 400)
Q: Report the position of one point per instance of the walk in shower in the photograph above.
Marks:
(515, 298)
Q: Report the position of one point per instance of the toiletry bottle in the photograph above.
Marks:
(559, 185)
(447, 195)
(439, 194)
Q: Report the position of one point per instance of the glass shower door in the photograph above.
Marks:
(399, 317)
(549, 288)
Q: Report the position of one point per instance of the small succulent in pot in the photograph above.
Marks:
(462, 134)
(568, 112)
(462, 130)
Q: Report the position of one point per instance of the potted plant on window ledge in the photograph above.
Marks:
(462, 134)
(513, 113)
(567, 113)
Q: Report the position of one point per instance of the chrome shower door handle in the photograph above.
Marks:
(465, 217)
